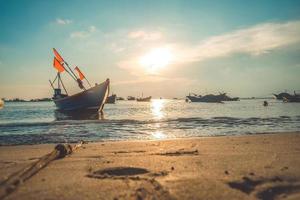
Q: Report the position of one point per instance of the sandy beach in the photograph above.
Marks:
(265, 166)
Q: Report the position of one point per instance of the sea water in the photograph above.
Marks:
(40, 122)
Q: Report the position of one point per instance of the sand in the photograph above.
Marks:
(265, 166)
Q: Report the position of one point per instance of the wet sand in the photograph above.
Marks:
(265, 166)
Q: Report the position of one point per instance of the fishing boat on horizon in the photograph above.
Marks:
(282, 95)
(210, 98)
(144, 99)
(292, 98)
(130, 98)
(111, 99)
(92, 98)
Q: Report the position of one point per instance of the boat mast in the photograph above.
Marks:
(62, 83)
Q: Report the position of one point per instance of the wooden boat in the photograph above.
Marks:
(144, 99)
(91, 99)
(111, 99)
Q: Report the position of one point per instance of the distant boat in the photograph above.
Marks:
(111, 99)
(206, 99)
(120, 99)
(210, 98)
(282, 95)
(144, 99)
(292, 98)
(130, 98)
(92, 99)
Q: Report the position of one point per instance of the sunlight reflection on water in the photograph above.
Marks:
(157, 106)
(158, 135)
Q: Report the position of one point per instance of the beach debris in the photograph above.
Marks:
(266, 103)
(161, 173)
(226, 172)
(12, 182)
(180, 152)
(137, 151)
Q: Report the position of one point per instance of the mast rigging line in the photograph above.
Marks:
(63, 85)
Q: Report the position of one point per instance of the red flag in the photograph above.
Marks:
(57, 65)
(57, 56)
(81, 76)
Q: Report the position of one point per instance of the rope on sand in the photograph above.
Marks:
(14, 180)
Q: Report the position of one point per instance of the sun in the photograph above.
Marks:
(156, 59)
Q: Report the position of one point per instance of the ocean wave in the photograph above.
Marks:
(190, 120)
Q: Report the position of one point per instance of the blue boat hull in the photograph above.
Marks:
(91, 99)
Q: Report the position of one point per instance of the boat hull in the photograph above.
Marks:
(203, 99)
(91, 99)
(282, 96)
(292, 99)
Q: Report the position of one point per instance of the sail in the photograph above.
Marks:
(81, 75)
(58, 56)
(57, 65)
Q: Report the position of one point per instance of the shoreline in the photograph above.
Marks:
(259, 166)
(164, 139)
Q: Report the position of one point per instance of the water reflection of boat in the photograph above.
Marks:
(111, 99)
(91, 99)
(144, 99)
(76, 115)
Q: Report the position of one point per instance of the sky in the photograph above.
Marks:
(159, 48)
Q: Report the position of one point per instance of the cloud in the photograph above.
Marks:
(256, 40)
(83, 34)
(63, 21)
(143, 35)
